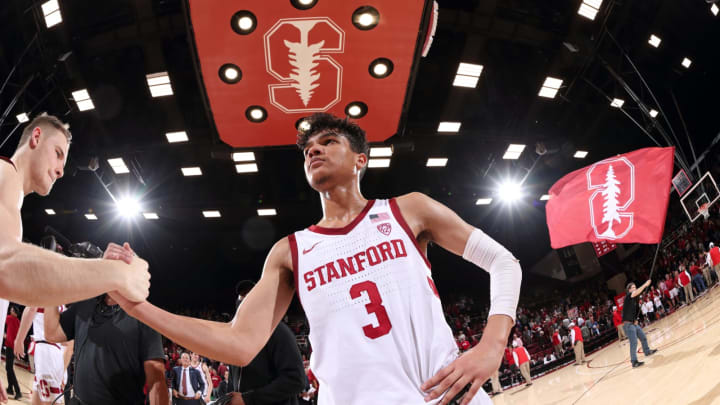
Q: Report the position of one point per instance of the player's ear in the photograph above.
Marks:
(361, 161)
(35, 137)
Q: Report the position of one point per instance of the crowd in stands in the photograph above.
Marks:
(543, 327)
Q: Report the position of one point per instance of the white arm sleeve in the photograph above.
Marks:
(504, 269)
(515, 357)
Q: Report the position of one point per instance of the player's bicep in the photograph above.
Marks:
(441, 224)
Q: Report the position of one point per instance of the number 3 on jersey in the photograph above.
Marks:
(373, 307)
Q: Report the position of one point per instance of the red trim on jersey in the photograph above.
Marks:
(294, 254)
(347, 228)
(401, 220)
(9, 161)
(41, 310)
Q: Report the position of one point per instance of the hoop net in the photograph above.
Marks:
(704, 211)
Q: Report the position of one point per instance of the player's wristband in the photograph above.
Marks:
(504, 269)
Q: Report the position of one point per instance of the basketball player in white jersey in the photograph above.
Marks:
(30, 275)
(376, 323)
(51, 359)
(204, 374)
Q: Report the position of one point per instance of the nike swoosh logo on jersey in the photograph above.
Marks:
(306, 251)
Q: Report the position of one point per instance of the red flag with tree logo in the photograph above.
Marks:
(622, 199)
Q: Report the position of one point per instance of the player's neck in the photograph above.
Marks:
(341, 205)
(22, 165)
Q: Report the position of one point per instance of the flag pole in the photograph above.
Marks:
(652, 268)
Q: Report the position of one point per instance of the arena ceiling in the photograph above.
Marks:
(110, 47)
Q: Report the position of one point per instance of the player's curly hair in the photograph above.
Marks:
(323, 121)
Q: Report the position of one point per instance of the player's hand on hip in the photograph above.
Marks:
(474, 367)
(197, 395)
(137, 281)
(117, 252)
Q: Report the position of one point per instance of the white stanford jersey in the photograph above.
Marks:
(39, 323)
(377, 327)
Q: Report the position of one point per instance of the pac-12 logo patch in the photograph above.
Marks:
(385, 228)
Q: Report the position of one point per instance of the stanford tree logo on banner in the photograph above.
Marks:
(613, 182)
(295, 52)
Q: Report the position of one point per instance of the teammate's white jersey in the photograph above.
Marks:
(50, 372)
(39, 323)
(202, 375)
(377, 327)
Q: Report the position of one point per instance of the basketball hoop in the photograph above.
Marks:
(704, 211)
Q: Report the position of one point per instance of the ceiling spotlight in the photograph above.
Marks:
(580, 154)
(128, 207)
(356, 109)
(83, 100)
(654, 41)
(545, 197)
(378, 163)
(243, 156)
(365, 18)
(436, 162)
(267, 212)
(50, 211)
(175, 137)
(255, 113)
(686, 63)
(513, 151)
(510, 191)
(302, 125)
(380, 68)
(191, 171)
(91, 217)
(653, 113)
(211, 214)
(246, 168)
(590, 8)
(243, 22)
(447, 126)
(550, 88)
(22, 117)
(150, 215)
(715, 9)
(303, 4)
(118, 165)
(617, 103)
(483, 201)
(467, 75)
(230, 73)
(381, 151)
(51, 11)
(159, 84)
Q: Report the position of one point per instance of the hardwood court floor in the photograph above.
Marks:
(685, 370)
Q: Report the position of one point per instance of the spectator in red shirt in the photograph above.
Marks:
(682, 278)
(697, 279)
(13, 324)
(617, 321)
(222, 368)
(557, 343)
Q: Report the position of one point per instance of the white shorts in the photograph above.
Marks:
(673, 292)
(49, 371)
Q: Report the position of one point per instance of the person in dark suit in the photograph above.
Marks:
(187, 383)
(276, 375)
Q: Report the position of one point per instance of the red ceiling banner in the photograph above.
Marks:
(603, 247)
(265, 64)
